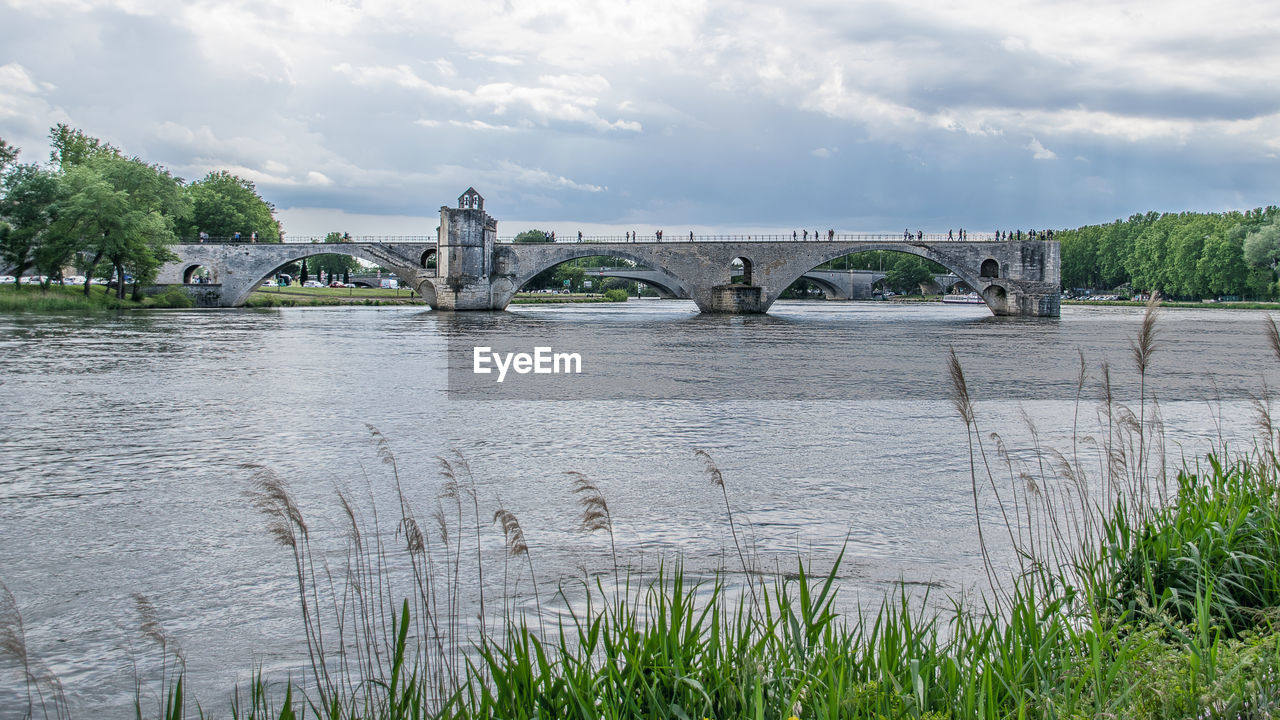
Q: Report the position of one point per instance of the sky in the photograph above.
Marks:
(367, 116)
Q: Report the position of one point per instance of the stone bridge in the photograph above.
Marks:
(473, 271)
(835, 284)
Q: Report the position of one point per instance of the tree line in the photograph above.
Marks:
(1180, 255)
(108, 214)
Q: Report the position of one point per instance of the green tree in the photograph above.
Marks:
(1186, 247)
(1079, 253)
(124, 211)
(1262, 246)
(533, 236)
(1222, 267)
(334, 265)
(223, 205)
(8, 155)
(907, 274)
(27, 208)
(71, 147)
(572, 273)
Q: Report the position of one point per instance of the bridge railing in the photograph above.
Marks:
(836, 237)
(312, 239)
(622, 239)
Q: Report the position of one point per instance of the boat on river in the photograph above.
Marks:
(966, 299)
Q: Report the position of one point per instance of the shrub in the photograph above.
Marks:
(615, 295)
(171, 298)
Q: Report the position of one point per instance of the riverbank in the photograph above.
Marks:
(294, 296)
(60, 298)
(550, 299)
(1179, 304)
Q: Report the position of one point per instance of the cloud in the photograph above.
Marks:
(555, 99)
(702, 109)
(543, 179)
(1040, 152)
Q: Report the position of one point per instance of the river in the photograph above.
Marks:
(123, 439)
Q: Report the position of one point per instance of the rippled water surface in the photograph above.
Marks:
(122, 441)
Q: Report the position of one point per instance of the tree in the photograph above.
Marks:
(1262, 246)
(223, 205)
(71, 147)
(334, 264)
(27, 209)
(533, 236)
(124, 211)
(571, 273)
(1186, 248)
(1222, 267)
(8, 155)
(907, 274)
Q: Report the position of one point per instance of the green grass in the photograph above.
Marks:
(64, 298)
(294, 296)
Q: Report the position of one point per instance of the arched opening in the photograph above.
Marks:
(196, 275)
(740, 271)
(587, 274)
(428, 259)
(813, 288)
(989, 268)
(995, 296)
(596, 274)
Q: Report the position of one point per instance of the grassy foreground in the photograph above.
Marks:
(59, 298)
(1134, 593)
(294, 296)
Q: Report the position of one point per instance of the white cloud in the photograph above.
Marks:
(540, 178)
(557, 98)
(1040, 152)
(823, 152)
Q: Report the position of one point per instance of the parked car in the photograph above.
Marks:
(312, 283)
(33, 279)
(7, 279)
(340, 284)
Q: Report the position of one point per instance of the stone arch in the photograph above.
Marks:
(746, 270)
(190, 274)
(800, 266)
(990, 268)
(995, 296)
(429, 258)
(830, 291)
(237, 292)
(537, 258)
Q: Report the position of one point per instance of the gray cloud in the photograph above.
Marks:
(685, 113)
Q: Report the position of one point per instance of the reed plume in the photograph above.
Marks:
(595, 513)
(717, 480)
(513, 536)
(37, 678)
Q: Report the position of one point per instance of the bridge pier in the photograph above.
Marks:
(734, 299)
